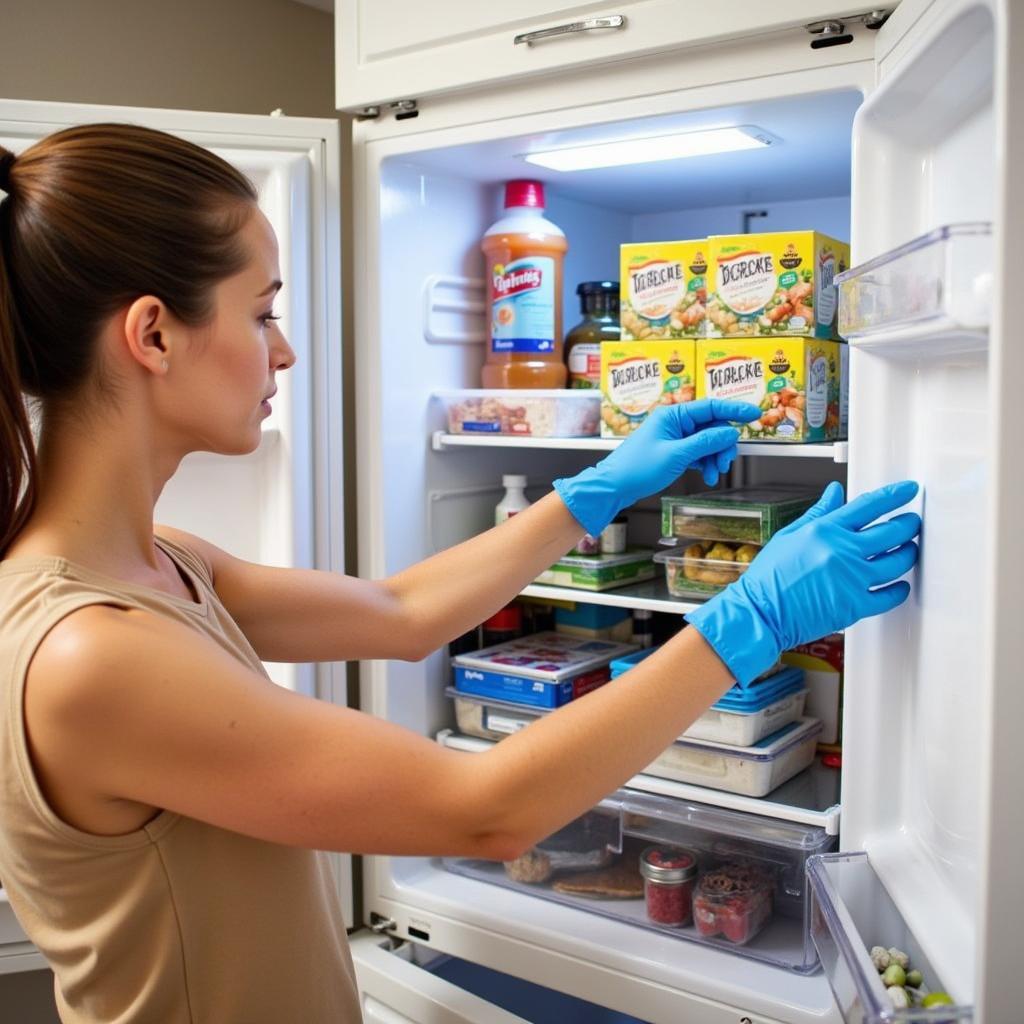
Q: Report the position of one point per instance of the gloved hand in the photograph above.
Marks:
(671, 440)
(813, 578)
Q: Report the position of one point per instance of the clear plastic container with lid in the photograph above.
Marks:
(599, 304)
(524, 254)
(749, 515)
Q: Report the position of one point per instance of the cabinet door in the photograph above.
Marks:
(388, 50)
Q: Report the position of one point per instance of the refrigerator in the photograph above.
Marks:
(891, 136)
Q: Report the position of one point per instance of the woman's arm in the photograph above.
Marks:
(128, 706)
(308, 615)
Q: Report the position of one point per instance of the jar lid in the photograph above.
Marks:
(598, 288)
(667, 864)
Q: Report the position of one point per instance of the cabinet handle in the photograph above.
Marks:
(612, 21)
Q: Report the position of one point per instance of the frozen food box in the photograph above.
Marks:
(638, 376)
(750, 771)
(741, 515)
(527, 412)
(780, 283)
(662, 291)
(695, 568)
(594, 621)
(822, 664)
(543, 670)
(796, 382)
(601, 572)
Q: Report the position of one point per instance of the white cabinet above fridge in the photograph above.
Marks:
(390, 50)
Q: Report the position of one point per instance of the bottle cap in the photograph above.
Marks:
(513, 480)
(510, 617)
(524, 193)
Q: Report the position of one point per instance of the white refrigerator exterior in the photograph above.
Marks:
(932, 802)
(281, 505)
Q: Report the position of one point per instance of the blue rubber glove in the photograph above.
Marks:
(813, 578)
(671, 440)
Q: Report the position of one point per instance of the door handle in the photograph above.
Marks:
(615, 21)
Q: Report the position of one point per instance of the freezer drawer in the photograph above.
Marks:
(692, 872)
(851, 912)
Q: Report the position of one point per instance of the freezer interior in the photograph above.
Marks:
(434, 206)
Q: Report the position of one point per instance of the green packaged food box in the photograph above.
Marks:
(601, 572)
(749, 515)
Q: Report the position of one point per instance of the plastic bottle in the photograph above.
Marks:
(513, 500)
(599, 304)
(502, 626)
(524, 253)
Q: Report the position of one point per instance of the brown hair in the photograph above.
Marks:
(94, 217)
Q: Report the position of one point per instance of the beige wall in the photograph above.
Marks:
(242, 56)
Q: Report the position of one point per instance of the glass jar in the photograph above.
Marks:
(669, 874)
(599, 304)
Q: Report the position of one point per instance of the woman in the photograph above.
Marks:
(159, 796)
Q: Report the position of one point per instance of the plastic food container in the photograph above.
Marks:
(543, 670)
(669, 875)
(751, 771)
(743, 716)
(702, 568)
(741, 515)
(525, 412)
(734, 901)
(602, 864)
(601, 572)
(943, 279)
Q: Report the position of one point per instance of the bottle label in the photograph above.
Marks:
(523, 305)
(585, 365)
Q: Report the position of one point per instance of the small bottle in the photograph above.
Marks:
(613, 536)
(599, 304)
(669, 875)
(514, 499)
(643, 627)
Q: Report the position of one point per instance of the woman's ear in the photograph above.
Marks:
(149, 333)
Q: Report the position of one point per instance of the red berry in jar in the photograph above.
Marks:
(735, 901)
(669, 875)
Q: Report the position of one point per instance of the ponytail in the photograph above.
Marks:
(17, 445)
(92, 218)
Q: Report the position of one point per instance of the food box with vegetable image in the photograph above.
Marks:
(526, 412)
(738, 515)
(662, 290)
(774, 284)
(798, 384)
(703, 568)
(684, 870)
(544, 670)
(639, 376)
(601, 572)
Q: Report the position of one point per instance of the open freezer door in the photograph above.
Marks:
(396, 987)
(933, 702)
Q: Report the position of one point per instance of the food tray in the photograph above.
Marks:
(718, 838)
(851, 912)
(523, 412)
(601, 572)
(749, 771)
(944, 278)
(689, 572)
(742, 515)
(543, 670)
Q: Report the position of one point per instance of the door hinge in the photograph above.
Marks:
(402, 109)
(380, 924)
(833, 31)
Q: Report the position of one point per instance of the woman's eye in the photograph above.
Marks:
(267, 317)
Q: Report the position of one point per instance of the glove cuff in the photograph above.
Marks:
(593, 502)
(739, 635)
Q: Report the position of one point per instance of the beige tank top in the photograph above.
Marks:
(180, 922)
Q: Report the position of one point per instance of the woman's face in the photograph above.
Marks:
(227, 376)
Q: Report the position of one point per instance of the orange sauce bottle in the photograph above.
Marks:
(524, 253)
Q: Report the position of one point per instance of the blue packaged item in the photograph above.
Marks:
(590, 616)
(544, 670)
